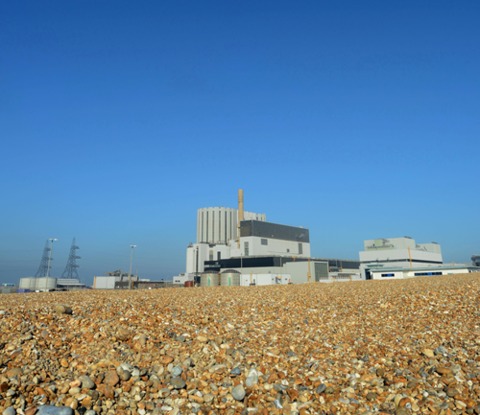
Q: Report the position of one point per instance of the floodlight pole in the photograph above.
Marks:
(51, 240)
(132, 250)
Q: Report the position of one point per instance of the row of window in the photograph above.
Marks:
(246, 250)
(417, 274)
(423, 274)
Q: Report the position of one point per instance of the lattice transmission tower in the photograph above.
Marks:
(72, 266)
(43, 269)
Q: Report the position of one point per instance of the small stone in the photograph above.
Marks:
(238, 393)
(166, 360)
(208, 398)
(123, 374)
(252, 378)
(176, 371)
(236, 371)
(164, 393)
(278, 404)
(442, 370)
(321, 388)
(371, 396)
(54, 410)
(123, 334)
(107, 390)
(428, 352)
(451, 392)
(86, 382)
(380, 372)
(460, 404)
(177, 382)
(9, 411)
(111, 378)
(63, 309)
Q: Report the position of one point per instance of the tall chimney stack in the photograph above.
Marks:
(240, 205)
(240, 214)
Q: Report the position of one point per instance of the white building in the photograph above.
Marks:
(404, 252)
(218, 236)
(434, 270)
(256, 238)
(231, 239)
(113, 281)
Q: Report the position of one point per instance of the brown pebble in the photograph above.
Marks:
(111, 378)
(106, 390)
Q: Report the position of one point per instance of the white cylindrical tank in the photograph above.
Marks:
(230, 277)
(209, 279)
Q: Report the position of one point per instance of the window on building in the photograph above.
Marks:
(300, 248)
(427, 274)
(264, 241)
(388, 275)
(246, 249)
(219, 255)
(210, 255)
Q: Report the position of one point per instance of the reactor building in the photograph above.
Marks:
(249, 250)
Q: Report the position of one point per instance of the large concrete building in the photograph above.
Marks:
(404, 252)
(114, 280)
(230, 239)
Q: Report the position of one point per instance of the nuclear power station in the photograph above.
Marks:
(235, 246)
(248, 249)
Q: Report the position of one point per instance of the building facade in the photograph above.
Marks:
(401, 252)
(255, 238)
(431, 271)
(219, 225)
(231, 239)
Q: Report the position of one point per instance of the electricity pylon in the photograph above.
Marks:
(71, 267)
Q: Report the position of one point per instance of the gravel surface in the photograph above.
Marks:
(368, 347)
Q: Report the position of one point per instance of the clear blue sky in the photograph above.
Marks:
(119, 119)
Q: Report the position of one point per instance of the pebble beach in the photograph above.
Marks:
(366, 347)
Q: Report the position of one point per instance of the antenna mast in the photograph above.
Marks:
(71, 267)
(44, 266)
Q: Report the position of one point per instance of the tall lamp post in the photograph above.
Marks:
(132, 251)
(195, 278)
(51, 240)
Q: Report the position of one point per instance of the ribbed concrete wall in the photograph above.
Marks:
(218, 225)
